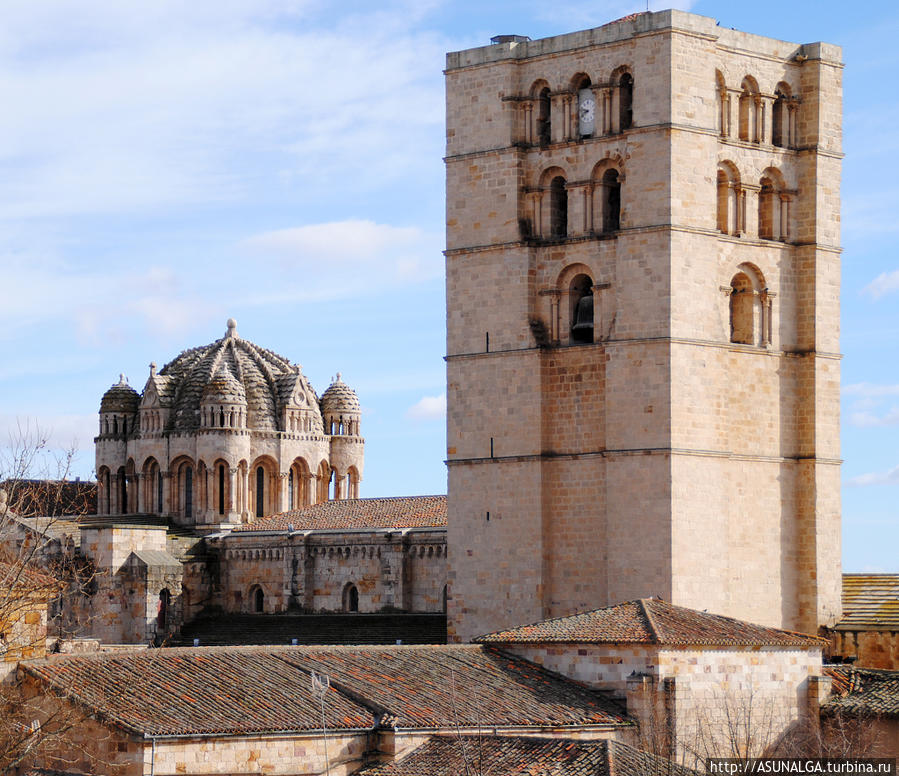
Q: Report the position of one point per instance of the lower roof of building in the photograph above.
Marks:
(863, 691)
(652, 621)
(254, 690)
(453, 755)
(395, 512)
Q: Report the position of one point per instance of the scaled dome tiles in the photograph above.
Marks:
(235, 370)
(120, 398)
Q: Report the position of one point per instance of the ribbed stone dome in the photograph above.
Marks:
(339, 398)
(120, 398)
(241, 371)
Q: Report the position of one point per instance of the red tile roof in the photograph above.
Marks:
(204, 691)
(870, 601)
(395, 512)
(243, 690)
(651, 621)
(454, 755)
(863, 691)
(435, 686)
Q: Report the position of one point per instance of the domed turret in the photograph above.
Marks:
(118, 408)
(341, 413)
(340, 409)
(120, 398)
(224, 402)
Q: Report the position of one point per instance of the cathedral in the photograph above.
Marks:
(639, 551)
(224, 434)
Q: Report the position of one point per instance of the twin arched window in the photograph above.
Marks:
(582, 108)
(774, 204)
(752, 119)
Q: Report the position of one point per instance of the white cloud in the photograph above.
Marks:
(870, 390)
(867, 419)
(885, 283)
(344, 259)
(125, 109)
(428, 408)
(890, 477)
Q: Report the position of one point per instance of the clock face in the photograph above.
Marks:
(586, 111)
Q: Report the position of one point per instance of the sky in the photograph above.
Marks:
(168, 165)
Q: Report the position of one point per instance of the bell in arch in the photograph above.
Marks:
(582, 330)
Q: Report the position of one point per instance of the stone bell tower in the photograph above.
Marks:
(643, 270)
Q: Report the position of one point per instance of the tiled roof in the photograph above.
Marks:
(651, 621)
(203, 691)
(863, 691)
(241, 690)
(453, 755)
(394, 512)
(433, 686)
(264, 376)
(870, 601)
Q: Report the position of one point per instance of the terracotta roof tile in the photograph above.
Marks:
(870, 601)
(394, 512)
(863, 691)
(453, 755)
(203, 691)
(239, 690)
(651, 621)
(434, 686)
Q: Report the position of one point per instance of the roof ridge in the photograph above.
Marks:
(653, 626)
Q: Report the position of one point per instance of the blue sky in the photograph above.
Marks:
(167, 165)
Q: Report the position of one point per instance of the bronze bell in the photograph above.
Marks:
(582, 331)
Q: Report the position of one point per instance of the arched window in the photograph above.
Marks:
(723, 192)
(162, 610)
(350, 598)
(625, 101)
(188, 491)
(159, 507)
(723, 105)
(123, 491)
(730, 200)
(260, 491)
(580, 296)
(445, 597)
(544, 117)
(258, 598)
(586, 105)
(750, 110)
(558, 208)
(741, 310)
(611, 201)
(783, 117)
(221, 499)
(751, 308)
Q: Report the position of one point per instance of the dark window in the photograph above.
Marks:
(260, 491)
(558, 207)
(162, 610)
(259, 600)
(159, 491)
(626, 101)
(188, 492)
(544, 118)
(221, 489)
(611, 211)
(351, 599)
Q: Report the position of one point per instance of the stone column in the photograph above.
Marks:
(281, 501)
(167, 495)
(232, 507)
(140, 506)
(243, 504)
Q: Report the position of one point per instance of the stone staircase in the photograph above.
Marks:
(281, 629)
